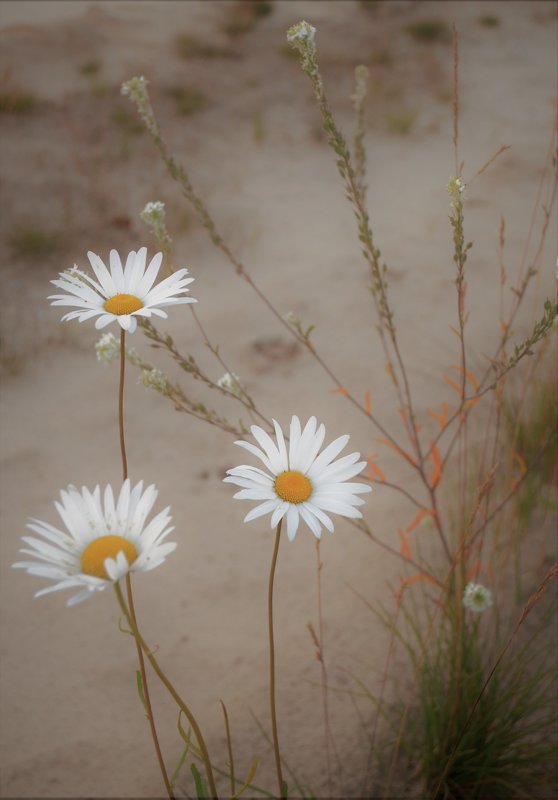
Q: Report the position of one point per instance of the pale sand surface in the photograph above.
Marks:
(71, 721)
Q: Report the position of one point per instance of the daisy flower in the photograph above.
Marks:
(103, 540)
(476, 597)
(121, 294)
(299, 483)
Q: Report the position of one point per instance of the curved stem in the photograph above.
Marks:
(145, 687)
(169, 687)
(272, 663)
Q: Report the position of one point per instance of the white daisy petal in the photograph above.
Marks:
(342, 497)
(260, 510)
(304, 484)
(103, 321)
(281, 446)
(125, 321)
(269, 447)
(57, 587)
(279, 513)
(150, 274)
(292, 521)
(311, 521)
(338, 507)
(341, 466)
(80, 597)
(331, 452)
(116, 271)
(252, 473)
(248, 483)
(41, 570)
(300, 455)
(134, 272)
(294, 438)
(61, 539)
(130, 269)
(104, 540)
(155, 530)
(317, 512)
(81, 315)
(136, 494)
(256, 452)
(148, 312)
(255, 494)
(123, 503)
(163, 550)
(312, 450)
(103, 275)
(48, 550)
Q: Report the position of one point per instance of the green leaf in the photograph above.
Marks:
(201, 793)
(140, 689)
(284, 790)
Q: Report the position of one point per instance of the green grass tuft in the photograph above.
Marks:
(507, 748)
(90, 68)
(489, 21)
(186, 101)
(400, 122)
(188, 46)
(33, 244)
(128, 123)
(434, 30)
(244, 15)
(16, 101)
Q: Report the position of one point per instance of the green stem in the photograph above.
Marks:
(169, 687)
(272, 663)
(145, 687)
(229, 746)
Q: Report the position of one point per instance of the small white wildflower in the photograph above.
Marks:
(154, 212)
(362, 75)
(107, 348)
(76, 276)
(76, 272)
(456, 188)
(477, 598)
(230, 383)
(291, 317)
(135, 88)
(154, 379)
(154, 216)
(301, 32)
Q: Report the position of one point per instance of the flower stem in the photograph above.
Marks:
(272, 663)
(170, 688)
(141, 660)
(121, 404)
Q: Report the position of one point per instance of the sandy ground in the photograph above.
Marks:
(75, 164)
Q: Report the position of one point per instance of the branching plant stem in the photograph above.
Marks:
(169, 687)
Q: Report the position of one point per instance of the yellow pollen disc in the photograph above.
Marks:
(93, 557)
(122, 304)
(292, 486)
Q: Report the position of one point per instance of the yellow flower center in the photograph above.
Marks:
(292, 486)
(93, 557)
(123, 304)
